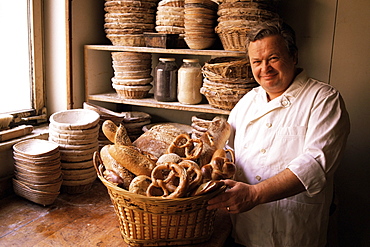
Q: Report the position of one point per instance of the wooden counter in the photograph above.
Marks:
(86, 219)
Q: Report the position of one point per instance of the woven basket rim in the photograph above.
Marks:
(158, 200)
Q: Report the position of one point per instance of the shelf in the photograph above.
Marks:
(151, 102)
(98, 74)
(113, 48)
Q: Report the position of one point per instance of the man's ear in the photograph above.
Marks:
(295, 58)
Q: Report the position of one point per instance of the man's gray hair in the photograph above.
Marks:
(274, 27)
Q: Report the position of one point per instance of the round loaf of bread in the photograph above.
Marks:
(157, 139)
(140, 184)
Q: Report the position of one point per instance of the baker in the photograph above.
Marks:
(288, 135)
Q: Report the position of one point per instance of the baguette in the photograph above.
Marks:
(132, 159)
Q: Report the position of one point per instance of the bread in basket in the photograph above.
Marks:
(161, 220)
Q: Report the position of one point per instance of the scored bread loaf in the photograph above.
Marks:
(157, 139)
(111, 164)
(132, 159)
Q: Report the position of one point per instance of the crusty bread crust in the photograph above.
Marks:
(111, 164)
(157, 140)
(215, 138)
(132, 159)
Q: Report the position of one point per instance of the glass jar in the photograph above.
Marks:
(165, 80)
(189, 82)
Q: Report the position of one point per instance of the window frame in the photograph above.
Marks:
(38, 113)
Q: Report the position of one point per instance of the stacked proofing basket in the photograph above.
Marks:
(170, 17)
(226, 81)
(126, 21)
(76, 132)
(237, 17)
(153, 221)
(200, 19)
(38, 177)
(132, 74)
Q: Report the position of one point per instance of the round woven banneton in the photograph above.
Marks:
(171, 3)
(133, 74)
(170, 29)
(75, 119)
(127, 39)
(132, 82)
(127, 66)
(132, 92)
(125, 55)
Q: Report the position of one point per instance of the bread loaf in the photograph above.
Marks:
(111, 164)
(215, 138)
(157, 139)
(140, 184)
(116, 134)
(132, 159)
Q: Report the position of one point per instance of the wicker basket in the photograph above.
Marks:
(132, 92)
(152, 221)
(36, 196)
(227, 67)
(223, 98)
(233, 38)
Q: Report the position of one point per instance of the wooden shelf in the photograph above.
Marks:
(151, 102)
(98, 73)
(165, 51)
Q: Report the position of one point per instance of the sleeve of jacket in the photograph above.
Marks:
(326, 137)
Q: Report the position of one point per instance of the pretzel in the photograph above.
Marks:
(184, 146)
(194, 173)
(219, 168)
(164, 174)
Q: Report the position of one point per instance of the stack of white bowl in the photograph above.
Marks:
(38, 176)
(76, 132)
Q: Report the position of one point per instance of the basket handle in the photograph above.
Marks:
(98, 163)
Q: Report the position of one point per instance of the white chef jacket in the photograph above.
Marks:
(305, 130)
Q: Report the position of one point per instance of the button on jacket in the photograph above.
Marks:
(305, 130)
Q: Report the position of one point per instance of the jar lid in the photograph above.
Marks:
(190, 60)
(167, 59)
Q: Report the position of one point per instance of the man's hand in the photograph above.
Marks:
(238, 198)
(241, 197)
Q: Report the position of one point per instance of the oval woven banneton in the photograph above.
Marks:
(153, 221)
(227, 67)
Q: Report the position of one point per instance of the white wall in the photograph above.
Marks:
(56, 55)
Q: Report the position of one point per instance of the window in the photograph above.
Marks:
(21, 60)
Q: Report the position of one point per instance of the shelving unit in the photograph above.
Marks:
(99, 71)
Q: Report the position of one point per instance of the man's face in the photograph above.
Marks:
(272, 66)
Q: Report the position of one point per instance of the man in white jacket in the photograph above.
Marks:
(288, 135)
